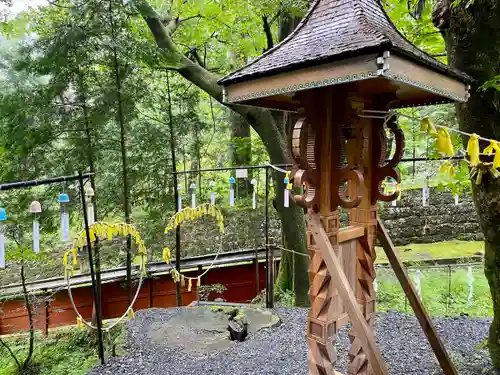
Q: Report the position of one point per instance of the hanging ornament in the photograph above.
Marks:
(254, 194)
(456, 199)
(213, 195)
(470, 282)
(447, 168)
(232, 181)
(36, 208)
(89, 195)
(496, 159)
(443, 143)
(418, 286)
(63, 201)
(193, 195)
(179, 198)
(288, 187)
(426, 126)
(473, 149)
(425, 194)
(3, 219)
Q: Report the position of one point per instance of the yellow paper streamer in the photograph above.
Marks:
(444, 143)
(131, 314)
(427, 126)
(447, 168)
(473, 150)
(496, 159)
(79, 322)
(190, 284)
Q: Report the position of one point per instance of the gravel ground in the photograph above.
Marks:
(283, 350)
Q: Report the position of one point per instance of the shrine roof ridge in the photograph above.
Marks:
(334, 30)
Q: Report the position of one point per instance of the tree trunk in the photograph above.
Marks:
(90, 156)
(472, 36)
(27, 304)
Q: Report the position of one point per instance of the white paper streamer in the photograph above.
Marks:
(90, 213)
(254, 194)
(394, 203)
(213, 195)
(2, 251)
(193, 195)
(231, 197)
(286, 203)
(179, 198)
(425, 195)
(64, 226)
(36, 237)
(456, 199)
(470, 281)
(375, 285)
(418, 287)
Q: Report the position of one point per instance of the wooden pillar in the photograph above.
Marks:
(323, 114)
(365, 215)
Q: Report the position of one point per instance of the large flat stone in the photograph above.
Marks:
(201, 330)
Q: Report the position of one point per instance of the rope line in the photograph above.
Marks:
(107, 329)
(277, 168)
(390, 114)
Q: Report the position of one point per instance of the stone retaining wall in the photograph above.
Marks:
(442, 220)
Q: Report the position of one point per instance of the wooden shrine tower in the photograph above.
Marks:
(345, 60)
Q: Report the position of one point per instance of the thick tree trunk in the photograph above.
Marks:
(472, 36)
(487, 201)
(292, 218)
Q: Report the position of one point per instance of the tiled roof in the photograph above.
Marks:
(331, 30)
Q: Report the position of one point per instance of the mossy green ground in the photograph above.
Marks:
(438, 250)
(443, 293)
(67, 351)
(444, 290)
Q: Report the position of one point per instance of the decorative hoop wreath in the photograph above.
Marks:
(104, 231)
(192, 214)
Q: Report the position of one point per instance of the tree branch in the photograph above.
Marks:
(190, 70)
(11, 353)
(269, 34)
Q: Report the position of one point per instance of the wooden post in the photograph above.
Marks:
(365, 216)
(323, 315)
(422, 316)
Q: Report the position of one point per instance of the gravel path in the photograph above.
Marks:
(283, 350)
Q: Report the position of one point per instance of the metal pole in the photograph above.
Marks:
(92, 272)
(47, 181)
(449, 291)
(266, 234)
(257, 275)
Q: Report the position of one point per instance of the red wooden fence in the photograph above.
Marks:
(240, 281)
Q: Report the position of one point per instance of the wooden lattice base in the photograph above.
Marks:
(322, 319)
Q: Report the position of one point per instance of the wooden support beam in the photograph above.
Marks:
(364, 332)
(350, 233)
(422, 316)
